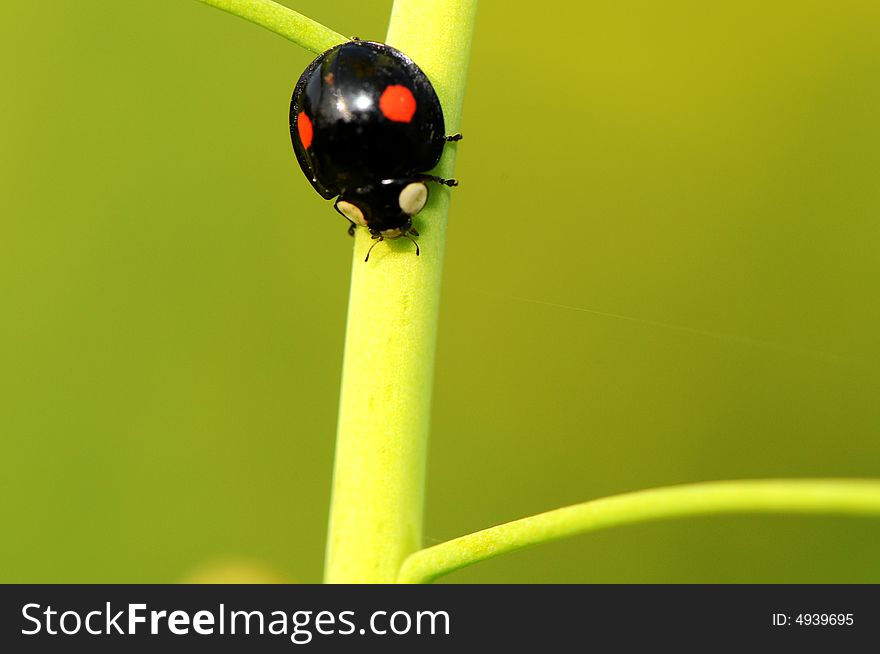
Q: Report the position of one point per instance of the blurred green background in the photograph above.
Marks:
(662, 267)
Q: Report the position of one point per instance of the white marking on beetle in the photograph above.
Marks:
(413, 197)
(352, 212)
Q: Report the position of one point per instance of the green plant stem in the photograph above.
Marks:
(853, 497)
(282, 20)
(388, 370)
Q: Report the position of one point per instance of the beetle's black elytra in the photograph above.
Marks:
(366, 124)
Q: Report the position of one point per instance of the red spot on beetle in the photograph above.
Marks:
(397, 103)
(304, 127)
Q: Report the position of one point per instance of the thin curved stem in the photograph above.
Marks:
(855, 497)
(284, 21)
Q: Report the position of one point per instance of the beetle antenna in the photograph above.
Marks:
(407, 236)
(379, 240)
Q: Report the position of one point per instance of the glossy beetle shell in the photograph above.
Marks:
(345, 136)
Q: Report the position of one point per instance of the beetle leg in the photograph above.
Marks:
(439, 180)
(453, 137)
(351, 229)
